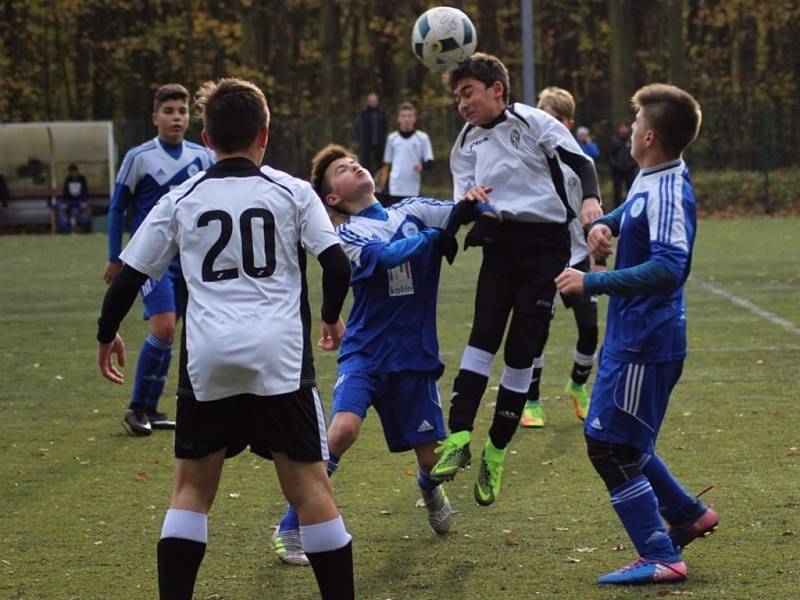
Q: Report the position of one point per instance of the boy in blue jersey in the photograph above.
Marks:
(645, 344)
(389, 357)
(148, 172)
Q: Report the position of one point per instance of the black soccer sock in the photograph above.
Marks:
(536, 378)
(468, 389)
(178, 563)
(507, 413)
(334, 572)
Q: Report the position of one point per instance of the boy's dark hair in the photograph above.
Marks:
(485, 68)
(673, 114)
(233, 112)
(406, 106)
(320, 163)
(169, 91)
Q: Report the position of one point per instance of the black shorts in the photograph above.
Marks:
(293, 424)
(578, 300)
(519, 269)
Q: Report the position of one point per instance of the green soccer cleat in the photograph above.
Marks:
(532, 414)
(579, 395)
(487, 487)
(455, 455)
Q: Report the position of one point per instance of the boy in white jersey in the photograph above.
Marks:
(408, 152)
(148, 172)
(509, 157)
(246, 372)
(389, 357)
(645, 343)
(559, 103)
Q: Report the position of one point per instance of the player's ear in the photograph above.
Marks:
(263, 136)
(332, 200)
(154, 117)
(206, 140)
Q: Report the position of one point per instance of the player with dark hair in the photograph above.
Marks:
(645, 343)
(509, 156)
(389, 357)
(246, 371)
(148, 172)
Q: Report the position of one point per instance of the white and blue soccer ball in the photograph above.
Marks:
(442, 38)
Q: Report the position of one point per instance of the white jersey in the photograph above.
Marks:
(240, 232)
(518, 156)
(403, 153)
(579, 249)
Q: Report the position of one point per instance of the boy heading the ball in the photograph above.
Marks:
(246, 370)
(508, 156)
(645, 343)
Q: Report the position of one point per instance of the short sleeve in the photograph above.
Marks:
(316, 230)
(155, 242)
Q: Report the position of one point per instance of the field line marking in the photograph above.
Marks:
(753, 308)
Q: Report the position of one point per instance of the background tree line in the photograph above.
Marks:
(316, 60)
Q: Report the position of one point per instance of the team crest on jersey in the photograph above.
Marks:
(637, 208)
(192, 170)
(409, 229)
(515, 138)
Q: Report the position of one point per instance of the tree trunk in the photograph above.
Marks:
(619, 24)
(677, 42)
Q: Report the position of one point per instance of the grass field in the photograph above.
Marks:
(81, 503)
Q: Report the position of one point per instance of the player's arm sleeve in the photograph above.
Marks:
(118, 301)
(388, 151)
(120, 201)
(316, 230)
(665, 270)
(399, 251)
(427, 153)
(584, 168)
(154, 244)
(335, 281)
(433, 213)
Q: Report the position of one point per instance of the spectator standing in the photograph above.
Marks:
(623, 167)
(371, 128)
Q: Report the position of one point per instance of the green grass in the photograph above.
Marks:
(81, 503)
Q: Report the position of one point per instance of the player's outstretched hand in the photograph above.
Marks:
(332, 334)
(570, 281)
(590, 210)
(479, 193)
(599, 241)
(112, 270)
(106, 364)
(447, 245)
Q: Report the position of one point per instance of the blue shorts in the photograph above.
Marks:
(165, 295)
(629, 401)
(408, 404)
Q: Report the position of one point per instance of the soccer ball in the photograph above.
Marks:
(443, 37)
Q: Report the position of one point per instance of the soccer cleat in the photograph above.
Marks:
(682, 534)
(579, 395)
(455, 455)
(646, 570)
(532, 414)
(289, 548)
(159, 420)
(487, 486)
(136, 422)
(440, 515)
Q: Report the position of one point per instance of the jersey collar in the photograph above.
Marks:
(496, 121)
(374, 211)
(678, 162)
(233, 165)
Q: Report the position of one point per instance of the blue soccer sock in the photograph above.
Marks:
(147, 368)
(637, 507)
(290, 520)
(426, 484)
(676, 505)
(160, 380)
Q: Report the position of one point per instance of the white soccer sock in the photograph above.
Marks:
(323, 537)
(477, 360)
(185, 524)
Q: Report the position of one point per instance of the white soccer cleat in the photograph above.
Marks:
(289, 548)
(440, 514)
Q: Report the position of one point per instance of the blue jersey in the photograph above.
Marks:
(656, 228)
(147, 173)
(392, 324)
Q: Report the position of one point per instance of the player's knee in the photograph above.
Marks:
(615, 463)
(343, 432)
(163, 329)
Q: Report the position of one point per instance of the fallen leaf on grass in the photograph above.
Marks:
(793, 452)
(141, 476)
(420, 503)
(548, 462)
(234, 495)
(674, 593)
(569, 559)
(587, 549)
(509, 541)
(788, 532)
(560, 528)
(59, 377)
(411, 472)
(386, 512)
(619, 547)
